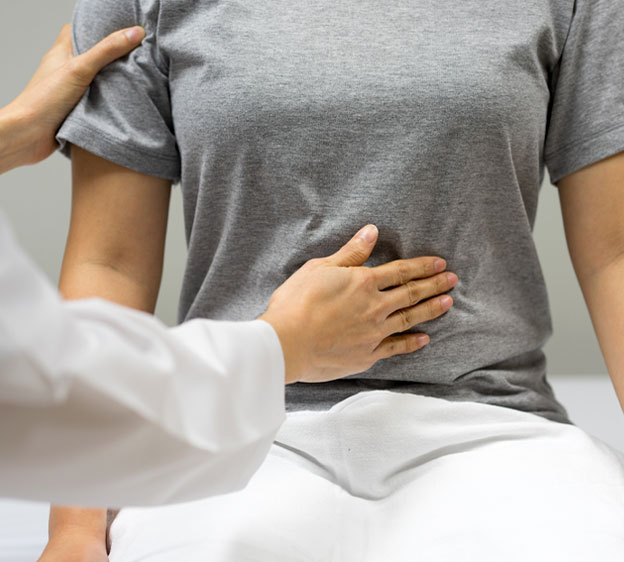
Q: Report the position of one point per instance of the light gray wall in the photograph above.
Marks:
(37, 200)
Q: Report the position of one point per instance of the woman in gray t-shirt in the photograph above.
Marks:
(289, 123)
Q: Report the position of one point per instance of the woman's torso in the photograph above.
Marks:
(298, 123)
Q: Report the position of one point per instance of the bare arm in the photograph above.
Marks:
(114, 250)
(592, 204)
(117, 233)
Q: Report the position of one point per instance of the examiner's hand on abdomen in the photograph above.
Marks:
(335, 318)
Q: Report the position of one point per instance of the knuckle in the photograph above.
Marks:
(372, 339)
(358, 254)
(428, 267)
(111, 47)
(441, 283)
(414, 292)
(404, 319)
(397, 346)
(432, 307)
(78, 70)
(377, 314)
(406, 345)
(389, 348)
(381, 333)
(368, 279)
(403, 272)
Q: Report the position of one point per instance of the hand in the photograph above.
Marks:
(335, 319)
(30, 122)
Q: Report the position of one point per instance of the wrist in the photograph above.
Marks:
(78, 533)
(87, 523)
(293, 357)
(75, 546)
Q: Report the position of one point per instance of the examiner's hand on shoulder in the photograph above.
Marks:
(335, 318)
(29, 123)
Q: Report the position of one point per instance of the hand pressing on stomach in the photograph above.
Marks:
(336, 318)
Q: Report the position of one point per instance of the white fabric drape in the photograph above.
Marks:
(103, 405)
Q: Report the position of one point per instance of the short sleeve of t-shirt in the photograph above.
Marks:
(125, 116)
(586, 121)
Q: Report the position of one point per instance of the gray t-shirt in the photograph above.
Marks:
(290, 124)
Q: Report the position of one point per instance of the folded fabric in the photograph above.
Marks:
(390, 477)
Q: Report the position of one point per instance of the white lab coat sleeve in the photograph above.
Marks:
(102, 405)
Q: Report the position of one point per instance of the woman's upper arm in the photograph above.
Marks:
(117, 232)
(592, 205)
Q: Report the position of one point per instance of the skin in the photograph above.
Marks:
(592, 206)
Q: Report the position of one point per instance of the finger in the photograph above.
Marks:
(400, 345)
(416, 291)
(400, 272)
(116, 45)
(407, 318)
(357, 250)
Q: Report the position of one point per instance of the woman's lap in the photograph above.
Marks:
(385, 476)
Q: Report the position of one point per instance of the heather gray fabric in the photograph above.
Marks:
(291, 124)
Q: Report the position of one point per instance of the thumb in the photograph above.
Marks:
(111, 48)
(358, 249)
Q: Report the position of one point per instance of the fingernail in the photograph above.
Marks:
(452, 279)
(446, 301)
(368, 233)
(135, 34)
(439, 265)
(422, 339)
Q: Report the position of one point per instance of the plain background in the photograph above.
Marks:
(37, 201)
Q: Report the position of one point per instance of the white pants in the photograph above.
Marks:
(389, 477)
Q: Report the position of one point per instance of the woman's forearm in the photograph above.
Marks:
(91, 279)
(71, 528)
(604, 295)
(69, 521)
(114, 251)
(68, 525)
